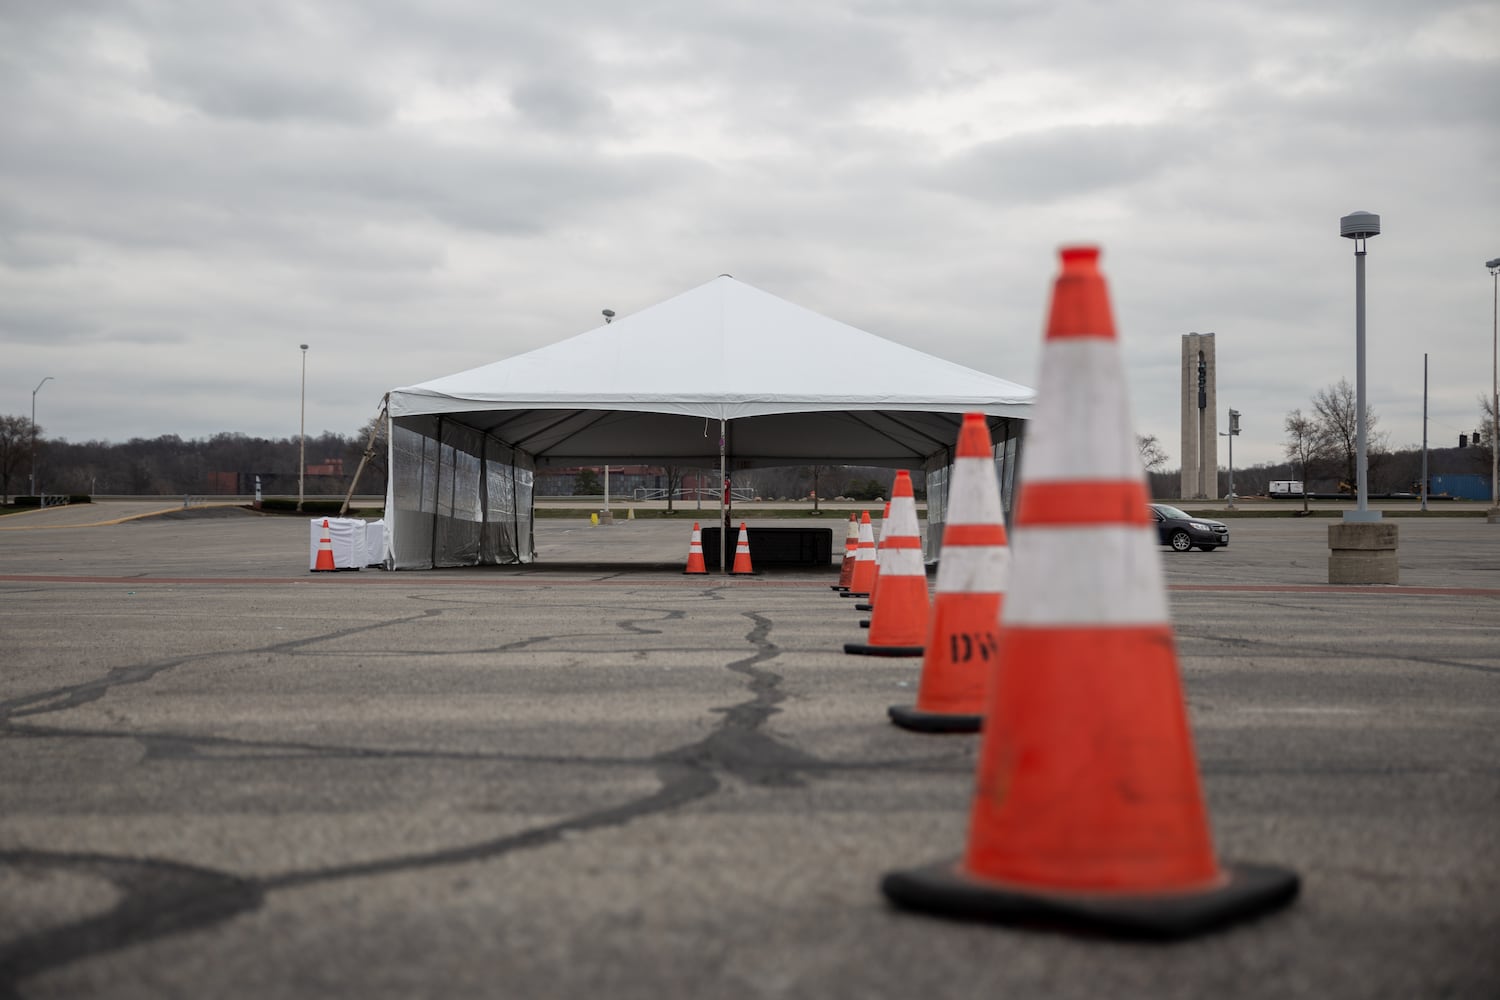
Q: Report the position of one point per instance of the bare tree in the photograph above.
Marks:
(1487, 424)
(1337, 415)
(16, 435)
(1305, 442)
(674, 482)
(817, 472)
(1153, 455)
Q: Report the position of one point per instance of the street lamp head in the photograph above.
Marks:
(303, 346)
(1493, 265)
(609, 314)
(1359, 225)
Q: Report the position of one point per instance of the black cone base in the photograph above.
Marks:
(864, 623)
(942, 890)
(864, 607)
(913, 718)
(850, 593)
(834, 586)
(864, 649)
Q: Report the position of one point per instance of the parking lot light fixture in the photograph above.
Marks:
(302, 436)
(33, 430)
(1493, 515)
(1359, 227)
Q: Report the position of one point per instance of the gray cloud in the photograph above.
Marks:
(188, 191)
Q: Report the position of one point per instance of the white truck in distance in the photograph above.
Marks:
(1286, 488)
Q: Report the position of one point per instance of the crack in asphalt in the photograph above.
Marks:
(1304, 651)
(161, 898)
(158, 898)
(74, 695)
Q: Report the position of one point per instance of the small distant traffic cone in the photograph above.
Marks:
(898, 623)
(1087, 810)
(695, 553)
(964, 634)
(869, 605)
(324, 562)
(864, 564)
(742, 554)
(851, 555)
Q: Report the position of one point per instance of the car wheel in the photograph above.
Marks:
(1181, 541)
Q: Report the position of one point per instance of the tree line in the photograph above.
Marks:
(1320, 445)
(225, 463)
(1322, 450)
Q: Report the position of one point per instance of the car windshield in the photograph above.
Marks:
(1167, 511)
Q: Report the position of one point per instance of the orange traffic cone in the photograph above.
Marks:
(742, 554)
(964, 634)
(851, 555)
(898, 623)
(695, 553)
(869, 605)
(324, 563)
(1087, 810)
(864, 564)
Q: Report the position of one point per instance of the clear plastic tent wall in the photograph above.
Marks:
(457, 497)
(938, 470)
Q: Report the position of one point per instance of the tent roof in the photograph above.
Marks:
(797, 386)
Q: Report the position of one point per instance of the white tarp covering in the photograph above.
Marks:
(375, 542)
(346, 536)
(791, 387)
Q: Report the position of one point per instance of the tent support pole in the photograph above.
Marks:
(375, 426)
(724, 496)
(437, 495)
(484, 494)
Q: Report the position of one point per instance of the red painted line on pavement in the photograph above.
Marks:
(542, 577)
(1319, 588)
(412, 579)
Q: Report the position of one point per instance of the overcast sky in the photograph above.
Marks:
(190, 190)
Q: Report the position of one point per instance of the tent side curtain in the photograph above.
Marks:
(457, 497)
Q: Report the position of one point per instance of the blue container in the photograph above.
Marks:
(1463, 486)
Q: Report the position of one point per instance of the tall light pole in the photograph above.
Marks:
(1423, 490)
(1493, 515)
(302, 435)
(1362, 547)
(1231, 434)
(33, 430)
(1359, 227)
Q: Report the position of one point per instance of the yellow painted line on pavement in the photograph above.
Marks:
(105, 524)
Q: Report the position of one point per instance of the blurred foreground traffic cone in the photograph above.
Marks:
(695, 553)
(898, 623)
(324, 562)
(1087, 811)
(964, 633)
(851, 555)
(864, 562)
(742, 554)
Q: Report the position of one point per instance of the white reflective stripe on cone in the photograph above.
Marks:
(1081, 435)
(973, 494)
(970, 569)
(902, 562)
(1119, 584)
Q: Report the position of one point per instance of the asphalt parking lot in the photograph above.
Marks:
(224, 776)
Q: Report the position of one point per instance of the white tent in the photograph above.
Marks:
(722, 376)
